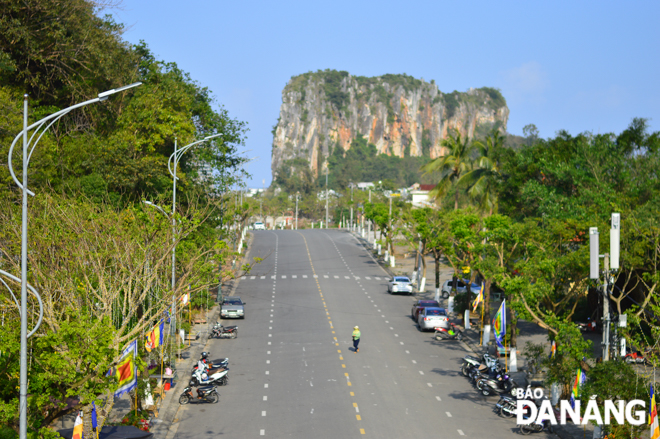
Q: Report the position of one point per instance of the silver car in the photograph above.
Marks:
(432, 317)
(232, 307)
(461, 287)
(399, 284)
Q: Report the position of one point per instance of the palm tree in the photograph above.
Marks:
(481, 180)
(451, 166)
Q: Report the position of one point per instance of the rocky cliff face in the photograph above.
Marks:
(401, 115)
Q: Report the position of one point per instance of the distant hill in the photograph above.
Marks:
(401, 115)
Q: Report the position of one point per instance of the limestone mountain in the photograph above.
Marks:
(401, 115)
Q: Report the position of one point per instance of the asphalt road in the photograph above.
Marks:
(293, 372)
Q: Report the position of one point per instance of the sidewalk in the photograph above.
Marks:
(529, 332)
(167, 423)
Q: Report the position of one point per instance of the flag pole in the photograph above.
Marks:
(482, 322)
(189, 319)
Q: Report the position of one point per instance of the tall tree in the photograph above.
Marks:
(451, 165)
(482, 180)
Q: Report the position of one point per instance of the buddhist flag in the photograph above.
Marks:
(580, 378)
(479, 299)
(499, 324)
(78, 427)
(127, 369)
(553, 349)
(185, 298)
(653, 417)
(155, 337)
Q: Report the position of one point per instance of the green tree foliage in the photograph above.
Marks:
(121, 146)
(482, 180)
(361, 162)
(295, 175)
(451, 166)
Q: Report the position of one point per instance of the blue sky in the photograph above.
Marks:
(578, 66)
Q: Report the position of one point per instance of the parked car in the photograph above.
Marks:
(432, 317)
(259, 226)
(232, 307)
(421, 304)
(399, 284)
(461, 287)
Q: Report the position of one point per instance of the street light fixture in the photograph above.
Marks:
(172, 163)
(39, 127)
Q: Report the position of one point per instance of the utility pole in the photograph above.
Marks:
(606, 309)
(297, 195)
(351, 224)
(326, 197)
(389, 226)
(594, 272)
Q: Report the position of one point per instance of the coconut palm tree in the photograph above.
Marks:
(481, 180)
(451, 165)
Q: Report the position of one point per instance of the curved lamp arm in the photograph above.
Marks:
(177, 155)
(41, 304)
(37, 126)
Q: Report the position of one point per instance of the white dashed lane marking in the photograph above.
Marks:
(438, 398)
(461, 432)
(448, 414)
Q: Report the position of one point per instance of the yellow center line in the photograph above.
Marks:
(358, 417)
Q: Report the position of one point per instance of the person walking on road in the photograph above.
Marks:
(356, 339)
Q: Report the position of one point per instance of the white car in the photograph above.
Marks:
(399, 284)
(259, 226)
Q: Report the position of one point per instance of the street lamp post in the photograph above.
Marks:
(326, 198)
(172, 164)
(351, 224)
(297, 195)
(28, 148)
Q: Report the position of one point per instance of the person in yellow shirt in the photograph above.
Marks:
(356, 339)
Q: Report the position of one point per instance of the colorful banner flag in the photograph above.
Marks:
(580, 378)
(653, 418)
(499, 325)
(155, 337)
(553, 349)
(185, 298)
(78, 427)
(479, 299)
(95, 422)
(127, 369)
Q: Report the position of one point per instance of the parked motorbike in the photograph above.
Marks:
(201, 377)
(634, 357)
(453, 333)
(499, 384)
(471, 362)
(506, 406)
(219, 331)
(536, 428)
(483, 371)
(205, 393)
(589, 326)
(212, 366)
